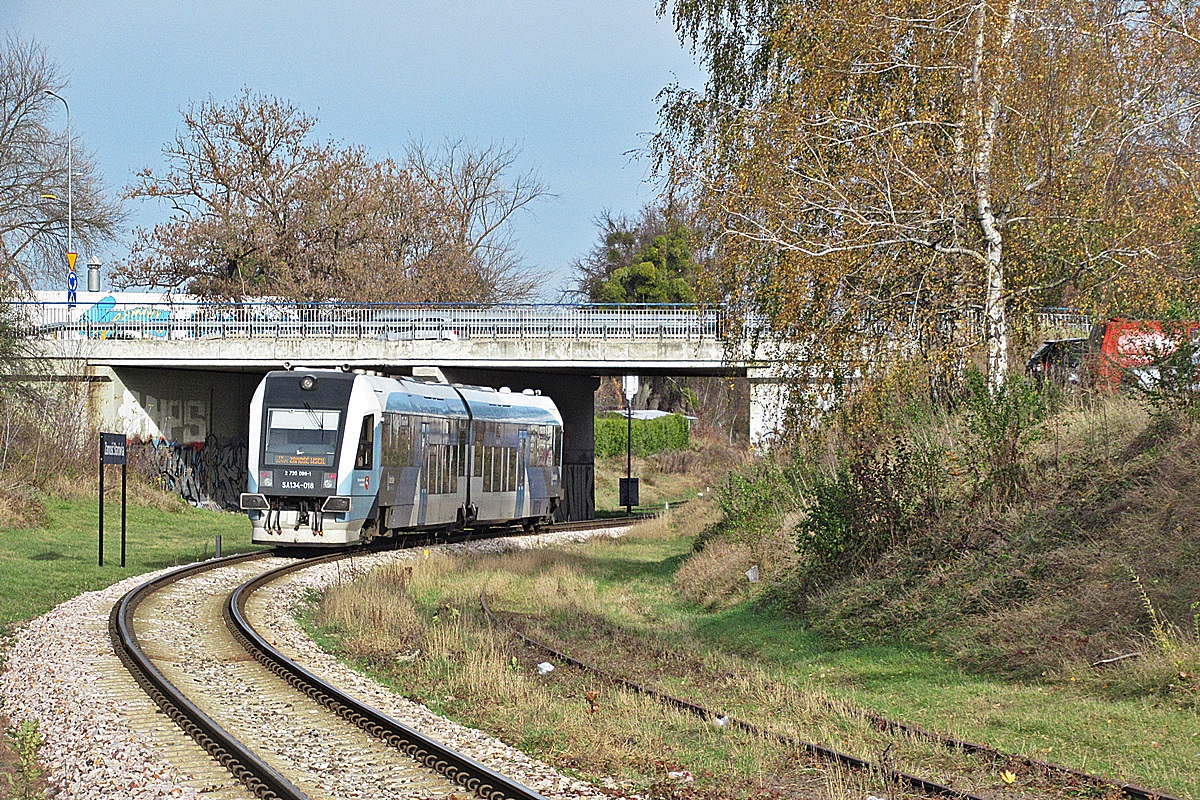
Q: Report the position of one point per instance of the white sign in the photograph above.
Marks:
(629, 385)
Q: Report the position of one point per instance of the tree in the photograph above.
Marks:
(644, 260)
(916, 166)
(33, 173)
(261, 209)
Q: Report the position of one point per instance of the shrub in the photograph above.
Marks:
(1001, 423)
(865, 505)
(649, 435)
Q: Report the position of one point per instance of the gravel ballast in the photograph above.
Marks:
(60, 672)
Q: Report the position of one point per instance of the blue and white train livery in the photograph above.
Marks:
(337, 458)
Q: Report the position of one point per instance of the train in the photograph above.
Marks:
(337, 458)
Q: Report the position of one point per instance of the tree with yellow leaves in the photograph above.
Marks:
(908, 171)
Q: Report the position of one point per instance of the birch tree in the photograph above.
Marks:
(917, 171)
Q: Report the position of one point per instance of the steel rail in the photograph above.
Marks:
(258, 776)
(1126, 789)
(828, 753)
(463, 770)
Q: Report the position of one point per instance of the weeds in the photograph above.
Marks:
(1170, 664)
(26, 740)
(1000, 425)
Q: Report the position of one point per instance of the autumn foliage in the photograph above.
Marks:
(261, 208)
(924, 172)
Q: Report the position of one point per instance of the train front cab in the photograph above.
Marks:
(313, 458)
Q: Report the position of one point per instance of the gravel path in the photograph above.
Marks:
(100, 742)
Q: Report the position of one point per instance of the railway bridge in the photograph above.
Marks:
(184, 372)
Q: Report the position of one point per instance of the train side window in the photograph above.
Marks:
(404, 443)
(477, 431)
(425, 469)
(364, 458)
(444, 483)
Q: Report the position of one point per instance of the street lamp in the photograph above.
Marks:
(72, 281)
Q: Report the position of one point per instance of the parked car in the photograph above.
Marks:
(1059, 361)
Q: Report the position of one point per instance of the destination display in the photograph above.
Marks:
(299, 459)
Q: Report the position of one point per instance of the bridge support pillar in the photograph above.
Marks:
(768, 406)
(575, 396)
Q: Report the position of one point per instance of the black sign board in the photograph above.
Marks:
(112, 448)
(629, 492)
(112, 451)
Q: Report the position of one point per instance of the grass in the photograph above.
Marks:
(616, 603)
(43, 566)
(669, 477)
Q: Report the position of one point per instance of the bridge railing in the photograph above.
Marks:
(269, 320)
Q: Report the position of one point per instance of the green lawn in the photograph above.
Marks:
(1143, 741)
(40, 568)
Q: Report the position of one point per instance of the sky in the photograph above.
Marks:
(571, 83)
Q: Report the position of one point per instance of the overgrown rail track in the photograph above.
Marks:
(829, 754)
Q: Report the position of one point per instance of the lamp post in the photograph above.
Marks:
(72, 281)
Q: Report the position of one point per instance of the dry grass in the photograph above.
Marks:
(715, 576)
(479, 674)
(20, 507)
(373, 616)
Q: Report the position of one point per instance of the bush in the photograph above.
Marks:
(867, 504)
(649, 435)
(1000, 425)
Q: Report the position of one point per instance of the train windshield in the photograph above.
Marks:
(302, 436)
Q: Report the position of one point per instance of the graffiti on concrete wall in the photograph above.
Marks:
(211, 474)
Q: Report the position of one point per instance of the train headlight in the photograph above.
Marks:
(308, 383)
(253, 502)
(336, 505)
(266, 479)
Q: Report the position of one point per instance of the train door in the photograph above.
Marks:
(522, 461)
(426, 469)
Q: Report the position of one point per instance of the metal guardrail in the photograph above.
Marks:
(266, 320)
(1064, 318)
(108, 319)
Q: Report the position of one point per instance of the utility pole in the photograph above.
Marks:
(72, 280)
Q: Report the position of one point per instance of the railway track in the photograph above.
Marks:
(282, 731)
(1098, 783)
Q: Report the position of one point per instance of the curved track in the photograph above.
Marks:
(209, 709)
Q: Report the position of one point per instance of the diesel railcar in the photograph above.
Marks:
(337, 458)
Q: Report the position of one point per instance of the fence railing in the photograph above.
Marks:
(266, 320)
(108, 319)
